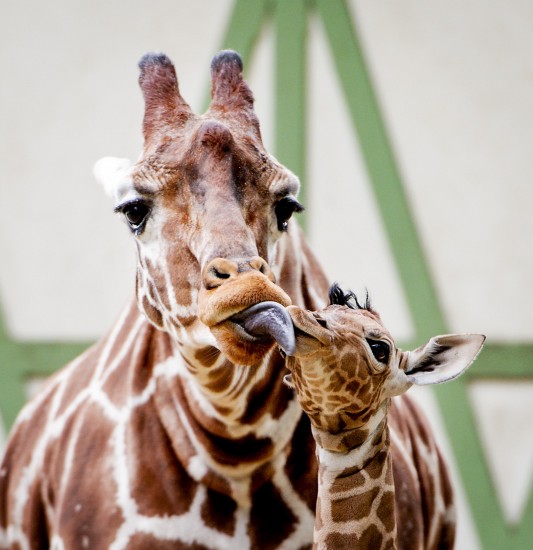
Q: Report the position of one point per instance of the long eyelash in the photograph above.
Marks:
(298, 207)
(291, 202)
(122, 206)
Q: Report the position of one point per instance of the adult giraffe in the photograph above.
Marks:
(176, 430)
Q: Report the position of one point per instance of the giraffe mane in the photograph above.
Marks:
(337, 296)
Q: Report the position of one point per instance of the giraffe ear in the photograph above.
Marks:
(443, 358)
(115, 176)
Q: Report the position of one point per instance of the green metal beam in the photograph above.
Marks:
(504, 361)
(290, 88)
(382, 168)
(244, 27)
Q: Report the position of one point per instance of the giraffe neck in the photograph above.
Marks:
(232, 428)
(232, 425)
(356, 500)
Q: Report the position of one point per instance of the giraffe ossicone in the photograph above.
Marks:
(345, 370)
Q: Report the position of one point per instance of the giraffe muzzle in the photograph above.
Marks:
(229, 289)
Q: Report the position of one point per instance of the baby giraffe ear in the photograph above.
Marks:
(115, 176)
(443, 358)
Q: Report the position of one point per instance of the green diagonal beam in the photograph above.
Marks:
(496, 362)
(469, 456)
(244, 26)
(243, 30)
(461, 425)
(382, 169)
(290, 88)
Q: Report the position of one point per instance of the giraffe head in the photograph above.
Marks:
(345, 366)
(206, 205)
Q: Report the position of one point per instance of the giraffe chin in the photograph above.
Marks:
(239, 346)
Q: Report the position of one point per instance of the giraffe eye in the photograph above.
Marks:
(380, 350)
(284, 209)
(136, 213)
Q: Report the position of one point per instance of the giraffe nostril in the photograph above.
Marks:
(262, 266)
(220, 270)
(219, 274)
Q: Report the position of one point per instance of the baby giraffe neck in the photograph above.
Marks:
(355, 505)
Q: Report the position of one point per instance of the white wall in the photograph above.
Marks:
(455, 85)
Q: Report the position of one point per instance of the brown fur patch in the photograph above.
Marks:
(340, 541)
(270, 389)
(301, 467)
(385, 511)
(218, 512)
(157, 469)
(371, 538)
(220, 378)
(271, 520)
(346, 509)
(208, 356)
(86, 504)
(152, 313)
(348, 480)
(376, 466)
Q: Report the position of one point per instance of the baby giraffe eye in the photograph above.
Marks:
(380, 350)
(136, 213)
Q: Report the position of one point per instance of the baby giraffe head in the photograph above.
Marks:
(345, 366)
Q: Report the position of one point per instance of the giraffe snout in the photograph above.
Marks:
(229, 288)
(221, 270)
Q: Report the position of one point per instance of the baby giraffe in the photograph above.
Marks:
(382, 483)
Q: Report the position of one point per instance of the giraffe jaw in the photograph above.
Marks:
(238, 345)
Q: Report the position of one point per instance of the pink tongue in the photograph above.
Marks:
(269, 319)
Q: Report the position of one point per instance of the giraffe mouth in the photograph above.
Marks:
(267, 321)
(229, 311)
